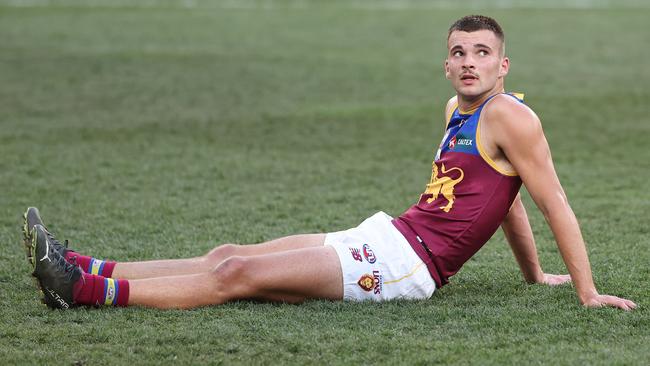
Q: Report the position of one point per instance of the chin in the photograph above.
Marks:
(470, 92)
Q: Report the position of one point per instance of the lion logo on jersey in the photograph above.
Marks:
(444, 185)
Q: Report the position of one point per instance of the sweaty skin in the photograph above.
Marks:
(512, 136)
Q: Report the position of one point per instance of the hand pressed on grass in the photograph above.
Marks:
(597, 301)
(555, 280)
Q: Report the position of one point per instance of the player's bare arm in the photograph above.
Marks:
(519, 235)
(516, 131)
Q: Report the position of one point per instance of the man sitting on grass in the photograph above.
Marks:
(493, 143)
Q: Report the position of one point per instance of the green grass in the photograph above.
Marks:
(162, 130)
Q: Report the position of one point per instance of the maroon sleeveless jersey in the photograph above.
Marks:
(464, 203)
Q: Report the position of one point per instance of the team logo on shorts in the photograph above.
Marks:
(369, 254)
(356, 254)
(366, 282)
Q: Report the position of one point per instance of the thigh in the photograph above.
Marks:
(295, 275)
(292, 242)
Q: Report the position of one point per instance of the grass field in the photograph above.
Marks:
(165, 128)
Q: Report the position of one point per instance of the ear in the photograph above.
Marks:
(505, 67)
(447, 72)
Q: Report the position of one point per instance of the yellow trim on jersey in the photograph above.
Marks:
(406, 276)
(471, 111)
(486, 157)
(452, 110)
(484, 154)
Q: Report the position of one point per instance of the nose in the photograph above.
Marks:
(468, 62)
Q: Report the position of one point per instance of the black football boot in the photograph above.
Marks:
(55, 275)
(31, 217)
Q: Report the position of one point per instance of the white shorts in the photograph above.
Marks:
(378, 263)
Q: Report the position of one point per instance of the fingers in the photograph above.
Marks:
(629, 303)
(624, 303)
(624, 306)
(617, 302)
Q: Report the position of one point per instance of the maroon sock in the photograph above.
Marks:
(99, 290)
(90, 264)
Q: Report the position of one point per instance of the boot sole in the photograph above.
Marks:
(27, 241)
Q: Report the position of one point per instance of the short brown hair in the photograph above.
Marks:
(473, 23)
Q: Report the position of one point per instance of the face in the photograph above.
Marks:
(474, 63)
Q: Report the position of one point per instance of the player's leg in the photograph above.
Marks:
(340, 268)
(290, 276)
(207, 262)
(158, 268)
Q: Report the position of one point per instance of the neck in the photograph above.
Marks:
(470, 103)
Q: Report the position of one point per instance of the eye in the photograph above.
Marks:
(482, 53)
(457, 53)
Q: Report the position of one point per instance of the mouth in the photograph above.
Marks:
(468, 79)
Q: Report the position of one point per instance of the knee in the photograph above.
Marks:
(231, 270)
(220, 253)
(232, 279)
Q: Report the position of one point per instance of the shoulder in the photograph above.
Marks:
(452, 103)
(507, 116)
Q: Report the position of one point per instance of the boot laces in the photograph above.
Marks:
(61, 263)
(54, 240)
